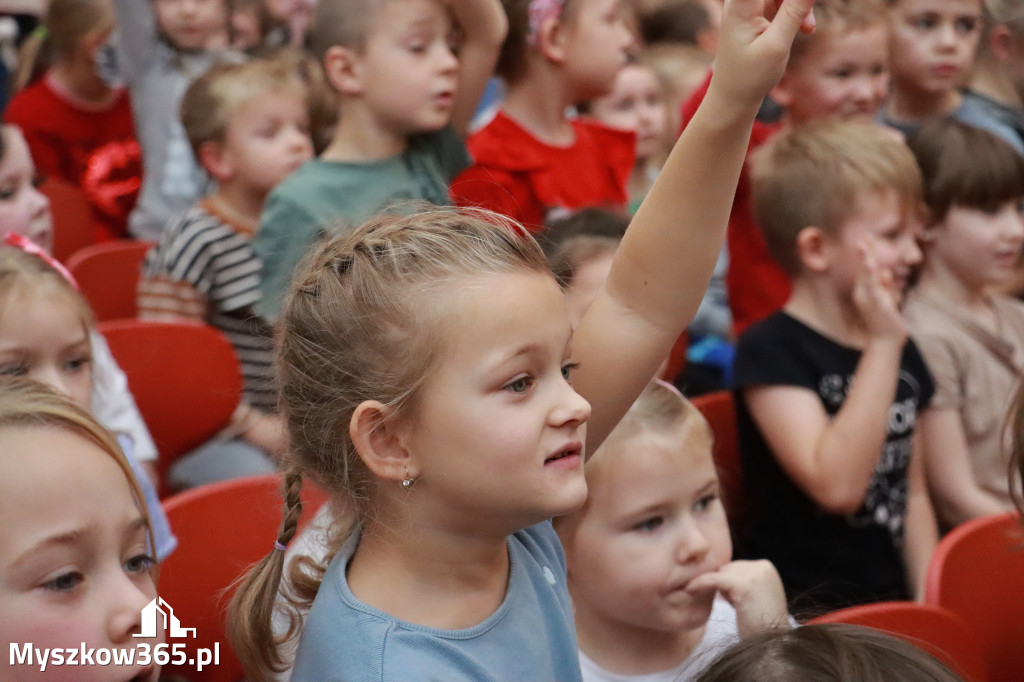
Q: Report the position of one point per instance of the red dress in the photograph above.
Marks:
(94, 148)
(516, 174)
(757, 286)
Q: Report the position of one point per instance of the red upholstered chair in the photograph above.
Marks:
(72, 217)
(222, 529)
(938, 631)
(720, 411)
(977, 572)
(108, 276)
(184, 377)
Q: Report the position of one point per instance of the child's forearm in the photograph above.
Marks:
(484, 26)
(921, 533)
(851, 443)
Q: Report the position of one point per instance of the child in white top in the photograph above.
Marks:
(654, 592)
(75, 571)
(425, 364)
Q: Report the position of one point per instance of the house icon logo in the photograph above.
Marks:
(159, 608)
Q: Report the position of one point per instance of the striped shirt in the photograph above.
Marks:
(203, 268)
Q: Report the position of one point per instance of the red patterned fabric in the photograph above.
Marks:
(95, 149)
(515, 174)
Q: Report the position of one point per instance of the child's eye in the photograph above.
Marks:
(14, 370)
(924, 23)
(7, 193)
(567, 370)
(841, 74)
(141, 563)
(78, 364)
(705, 502)
(966, 25)
(65, 582)
(418, 47)
(519, 385)
(650, 524)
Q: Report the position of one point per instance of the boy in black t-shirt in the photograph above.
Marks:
(830, 387)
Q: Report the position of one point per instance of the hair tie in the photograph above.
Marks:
(28, 246)
(279, 546)
(539, 11)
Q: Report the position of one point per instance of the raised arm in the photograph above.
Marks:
(666, 259)
(484, 27)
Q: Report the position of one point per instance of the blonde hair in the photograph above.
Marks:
(660, 408)
(213, 99)
(20, 270)
(1009, 13)
(817, 173)
(31, 404)
(64, 26)
(358, 325)
(341, 22)
(837, 17)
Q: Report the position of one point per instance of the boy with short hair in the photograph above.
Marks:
(934, 45)
(249, 126)
(842, 70)
(163, 45)
(405, 102)
(829, 388)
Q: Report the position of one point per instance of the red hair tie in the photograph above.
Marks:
(28, 246)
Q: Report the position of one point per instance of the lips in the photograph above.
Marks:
(566, 454)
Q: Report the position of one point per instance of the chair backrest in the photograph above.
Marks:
(108, 276)
(222, 529)
(184, 377)
(719, 409)
(72, 217)
(938, 631)
(977, 571)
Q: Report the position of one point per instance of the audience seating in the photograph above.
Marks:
(720, 411)
(108, 276)
(72, 217)
(977, 572)
(938, 631)
(222, 529)
(185, 379)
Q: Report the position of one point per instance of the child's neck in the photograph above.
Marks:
(626, 650)
(361, 136)
(906, 103)
(939, 282)
(820, 306)
(430, 574)
(991, 80)
(541, 109)
(78, 82)
(239, 204)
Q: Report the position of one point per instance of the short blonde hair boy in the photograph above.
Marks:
(816, 174)
(212, 100)
(839, 17)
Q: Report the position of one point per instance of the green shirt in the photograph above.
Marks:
(328, 197)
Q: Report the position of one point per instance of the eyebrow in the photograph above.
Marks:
(71, 537)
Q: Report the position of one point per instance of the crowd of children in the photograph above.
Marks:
(471, 319)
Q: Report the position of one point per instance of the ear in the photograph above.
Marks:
(342, 67)
(551, 40)
(1000, 42)
(782, 93)
(812, 249)
(216, 160)
(379, 443)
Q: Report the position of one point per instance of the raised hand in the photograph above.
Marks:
(753, 588)
(876, 299)
(754, 43)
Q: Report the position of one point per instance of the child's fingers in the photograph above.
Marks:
(705, 582)
(789, 17)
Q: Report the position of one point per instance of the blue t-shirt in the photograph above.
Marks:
(531, 636)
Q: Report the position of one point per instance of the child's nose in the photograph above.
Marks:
(693, 544)
(912, 251)
(124, 603)
(40, 202)
(572, 408)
